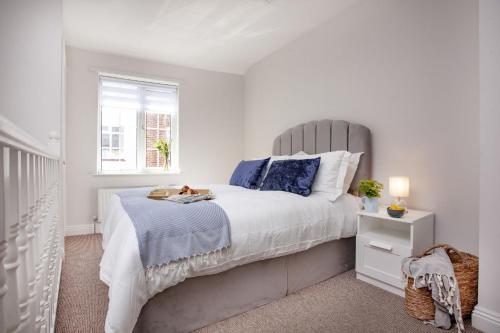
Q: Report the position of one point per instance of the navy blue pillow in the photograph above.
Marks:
(249, 173)
(295, 176)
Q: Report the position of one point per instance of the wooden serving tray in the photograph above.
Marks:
(162, 193)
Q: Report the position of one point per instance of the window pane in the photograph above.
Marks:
(164, 120)
(161, 160)
(151, 120)
(123, 156)
(116, 141)
(105, 140)
(152, 159)
(106, 153)
(151, 138)
(158, 126)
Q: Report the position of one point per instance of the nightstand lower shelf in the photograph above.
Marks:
(387, 287)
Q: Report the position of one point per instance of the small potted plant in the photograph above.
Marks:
(164, 150)
(370, 190)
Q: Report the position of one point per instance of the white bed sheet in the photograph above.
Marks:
(263, 224)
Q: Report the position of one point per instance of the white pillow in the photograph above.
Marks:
(331, 173)
(352, 167)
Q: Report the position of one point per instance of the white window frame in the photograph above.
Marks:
(141, 131)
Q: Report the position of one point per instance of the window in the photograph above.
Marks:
(134, 115)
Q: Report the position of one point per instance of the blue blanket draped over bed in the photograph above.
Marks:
(168, 231)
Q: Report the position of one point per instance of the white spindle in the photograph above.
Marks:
(11, 262)
(39, 244)
(30, 183)
(40, 213)
(3, 247)
(44, 200)
(36, 241)
(22, 240)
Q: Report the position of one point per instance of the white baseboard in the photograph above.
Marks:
(486, 320)
(81, 229)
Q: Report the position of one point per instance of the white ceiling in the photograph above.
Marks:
(222, 35)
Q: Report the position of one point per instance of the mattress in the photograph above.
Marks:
(264, 224)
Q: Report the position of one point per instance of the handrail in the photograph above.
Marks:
(15, 137)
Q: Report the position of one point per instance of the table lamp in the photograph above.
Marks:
(399, 187)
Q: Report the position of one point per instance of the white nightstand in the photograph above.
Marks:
(383, 241)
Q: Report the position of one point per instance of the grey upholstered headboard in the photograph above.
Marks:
(327, 135)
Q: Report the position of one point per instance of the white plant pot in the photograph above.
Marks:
(370, 204)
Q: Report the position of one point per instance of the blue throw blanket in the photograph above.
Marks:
(169, 231)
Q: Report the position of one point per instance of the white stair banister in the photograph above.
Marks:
(30, 239)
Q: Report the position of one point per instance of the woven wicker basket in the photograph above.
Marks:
(419, 303)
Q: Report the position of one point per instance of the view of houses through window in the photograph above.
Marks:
(112, 143)
(134, 116)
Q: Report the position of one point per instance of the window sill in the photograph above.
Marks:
(139, 173)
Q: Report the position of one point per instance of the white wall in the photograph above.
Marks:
(407, 70)
(486, 315)
(210, 127)
(31, 64)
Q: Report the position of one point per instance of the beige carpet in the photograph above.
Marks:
(340, 304)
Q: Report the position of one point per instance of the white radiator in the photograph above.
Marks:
(103, 196)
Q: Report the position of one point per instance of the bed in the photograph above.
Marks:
(289, 243)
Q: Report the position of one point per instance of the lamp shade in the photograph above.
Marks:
(399, 186)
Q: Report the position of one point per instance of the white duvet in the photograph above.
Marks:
(263, 225)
